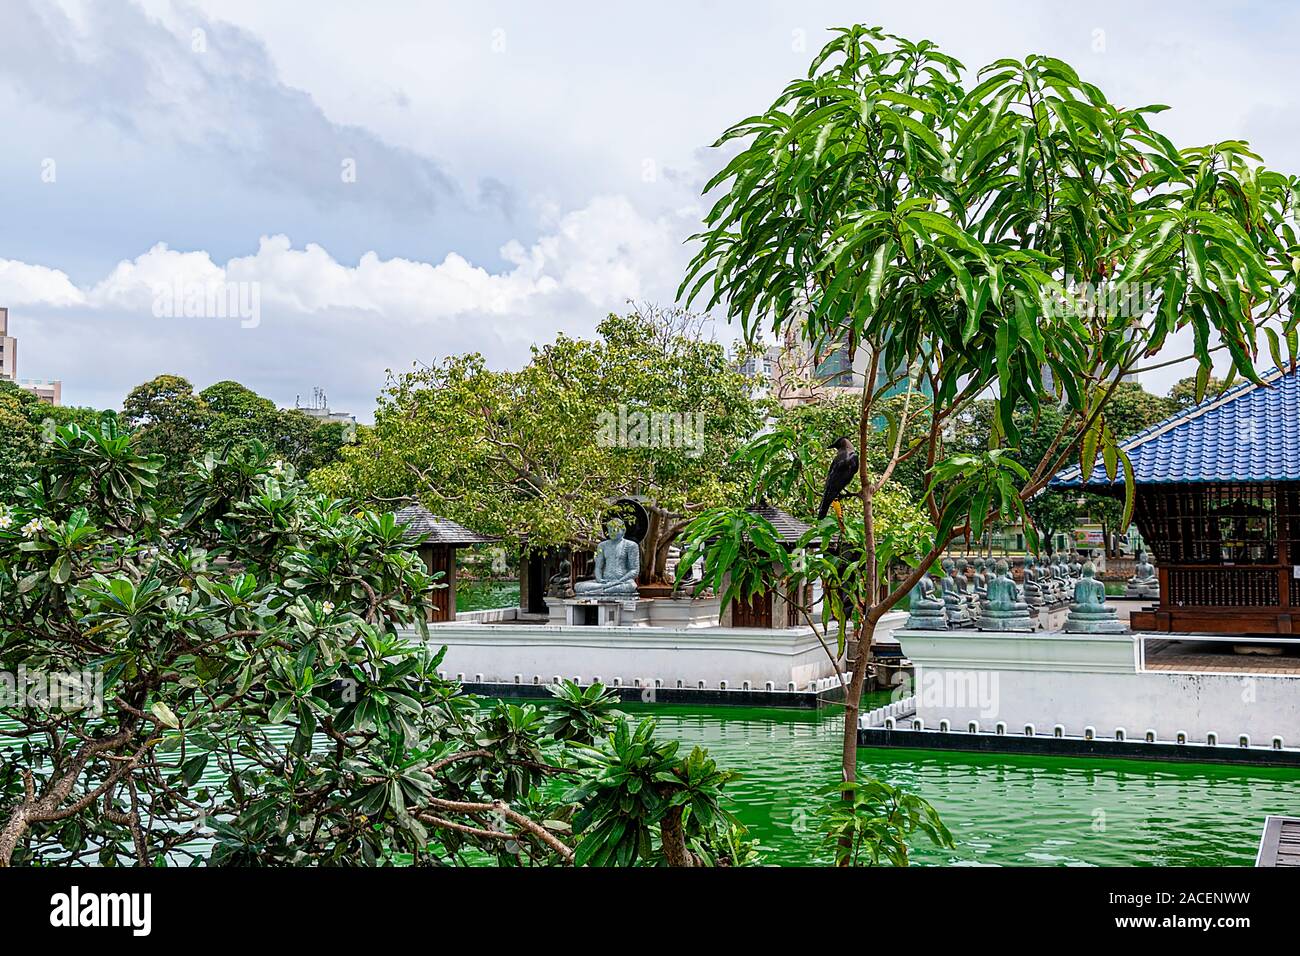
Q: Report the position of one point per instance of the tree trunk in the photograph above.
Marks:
(650, 545)
(673, 837)
(662, 547)
(853, 700)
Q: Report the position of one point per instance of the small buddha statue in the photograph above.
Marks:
(557, 586)
(981, 579)
(1033, 591)
(1046, 575)
(1060, 579)
(954, 599)
(963, 575)
(1089, 614)
(1144, 583)
(966, 581)
(618, 562)
(1004, 611)
(926, 609)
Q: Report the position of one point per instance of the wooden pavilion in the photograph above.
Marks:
(436, 540)
(1218, 502)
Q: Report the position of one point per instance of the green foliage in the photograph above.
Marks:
(579, 714)
(639, 788)
(264, 695)
(1055, 512)
(742, 554)
(883, 203)
(1187, 392)
(26, 423)
(169, 419)
(539, 451)
(867, 821)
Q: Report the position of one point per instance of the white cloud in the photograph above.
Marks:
(206, 88)
(22, 284)
(604, 253)
(328, 322)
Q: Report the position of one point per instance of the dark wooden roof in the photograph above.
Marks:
(425, 527)
(789, 529)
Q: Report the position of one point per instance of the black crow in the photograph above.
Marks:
(843, 467)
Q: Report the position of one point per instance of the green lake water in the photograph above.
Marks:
(486, 595)
(1002, 809)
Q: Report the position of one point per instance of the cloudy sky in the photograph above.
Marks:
(406, 180)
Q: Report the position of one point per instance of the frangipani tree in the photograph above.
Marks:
(960, 230)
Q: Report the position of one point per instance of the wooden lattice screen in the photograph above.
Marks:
(1213, 524)
(1226, 553)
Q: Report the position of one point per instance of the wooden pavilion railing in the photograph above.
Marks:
(1254, 586)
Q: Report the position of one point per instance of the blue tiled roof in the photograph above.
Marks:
(1249, 433)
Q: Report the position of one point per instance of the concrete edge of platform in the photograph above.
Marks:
(702, 696)
(902, 738)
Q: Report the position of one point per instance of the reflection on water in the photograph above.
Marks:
(1002, 809)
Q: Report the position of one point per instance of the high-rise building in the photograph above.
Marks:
(50, 392)
(8, 349)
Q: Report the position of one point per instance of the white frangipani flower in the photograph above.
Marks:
(31, 528)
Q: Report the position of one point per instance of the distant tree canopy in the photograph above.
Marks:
(646, 409)
(1183, 393)
(1130, 410)
(171, 420)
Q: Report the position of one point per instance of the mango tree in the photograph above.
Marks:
(1008, 234)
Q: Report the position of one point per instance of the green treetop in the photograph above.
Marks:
(646, 409)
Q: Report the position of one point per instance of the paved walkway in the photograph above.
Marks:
(1213, 657)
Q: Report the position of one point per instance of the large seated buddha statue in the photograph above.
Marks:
(618, 562)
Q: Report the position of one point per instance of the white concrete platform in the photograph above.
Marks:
(1093, 686)
(507, 651)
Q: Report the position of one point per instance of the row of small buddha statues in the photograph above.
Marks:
(969, 596)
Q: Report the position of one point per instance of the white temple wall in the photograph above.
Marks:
(500, 652)
(1090, 681)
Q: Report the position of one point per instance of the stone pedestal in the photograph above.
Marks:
(1005, 621)
(556, 612)
(1051, 617)
(1143, 591)
(928, 616)
(1094, 621)
(633, 612)
(599, 612)
(685, 611)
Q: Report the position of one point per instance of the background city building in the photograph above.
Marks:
(8, 349)
(49, 391)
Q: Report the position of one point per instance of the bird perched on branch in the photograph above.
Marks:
(843, 467)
